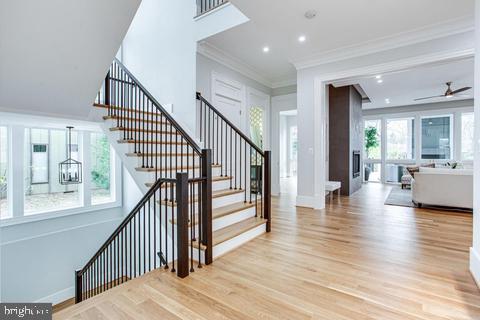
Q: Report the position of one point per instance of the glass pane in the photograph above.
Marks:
(44, 150)
(467, 136)
(395, 172)
(373, 172)
(436, 138)
(101, 171)
(373, 147)
(3, 173)
(256, 126)
(400, 135)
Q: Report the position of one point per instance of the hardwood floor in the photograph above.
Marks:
(357, 259)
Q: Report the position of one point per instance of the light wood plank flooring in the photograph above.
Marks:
(357, 259)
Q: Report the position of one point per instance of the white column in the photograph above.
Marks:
(312, 101)
(16, 189)
(475, 250)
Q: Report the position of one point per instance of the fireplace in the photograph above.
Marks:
(356, 163)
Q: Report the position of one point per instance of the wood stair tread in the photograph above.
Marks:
(226, 210)
(145, 131)
(214, 179)
(215, 194)
(233, 230)
(112, 117)
(153, 142)
(129, 110)
(140, 169)
(150, 154)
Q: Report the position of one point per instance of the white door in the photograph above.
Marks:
(228, 97)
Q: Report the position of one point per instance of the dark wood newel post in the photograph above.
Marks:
(182, 224)
(107, 89)
(78, 286)
(207, 205)
(268, 190)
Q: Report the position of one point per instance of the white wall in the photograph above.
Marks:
(131, 192)
(55, 54)
(38, 259)
(159, 49)
(312, 100)
(205, 67)
(279, 103)
(475, 250)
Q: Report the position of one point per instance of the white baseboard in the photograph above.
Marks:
(475, 265)
(59, 296)
(310, 202)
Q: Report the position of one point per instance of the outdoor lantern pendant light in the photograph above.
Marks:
(70, 170)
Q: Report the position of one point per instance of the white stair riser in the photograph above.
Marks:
(216, 202)
(140, 125)
(159, 148)
(230, 219)
(233, 243)
(217, 185)
(167, 161)
(150, 176)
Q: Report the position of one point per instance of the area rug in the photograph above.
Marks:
(403, 198)
(400, 197)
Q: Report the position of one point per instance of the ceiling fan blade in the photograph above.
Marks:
(461, 90)
(425, 98)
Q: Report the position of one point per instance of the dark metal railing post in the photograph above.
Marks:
(107, 89)
(268, 190)
(182, 224)
(206, 214)
(78, 286)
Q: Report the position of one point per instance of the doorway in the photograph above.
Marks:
(288, 152)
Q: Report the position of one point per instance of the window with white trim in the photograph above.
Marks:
(4, 210)
(44, 150)
(467, 134)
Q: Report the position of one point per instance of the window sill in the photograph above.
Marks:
(57, 214)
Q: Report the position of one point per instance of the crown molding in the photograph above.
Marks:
(286, 81)
(431, 32)
(208, 50)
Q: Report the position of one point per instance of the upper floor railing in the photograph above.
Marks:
(204, 6)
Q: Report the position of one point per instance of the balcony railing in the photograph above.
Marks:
(204, 6)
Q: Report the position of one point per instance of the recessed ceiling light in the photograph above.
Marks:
(310, 14)
(448, 96)
(379, 81)
(378, 77)
(266, 49)
(302, 38)
(387, 101)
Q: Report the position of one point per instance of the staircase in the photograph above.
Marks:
(202, 198)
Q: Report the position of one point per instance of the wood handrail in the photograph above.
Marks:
(238, 131)
(159, 107)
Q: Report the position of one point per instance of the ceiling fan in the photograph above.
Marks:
(449, 93)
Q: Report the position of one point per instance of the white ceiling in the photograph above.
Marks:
(54, 53)
(401, 88)
(338, 24)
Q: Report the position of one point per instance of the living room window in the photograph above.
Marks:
(4, 212)
(467, 134)
(436, 137)
(101, 169)
(400, 139)
(44, 150)
(373, 150)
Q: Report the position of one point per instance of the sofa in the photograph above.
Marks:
(443, 187)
